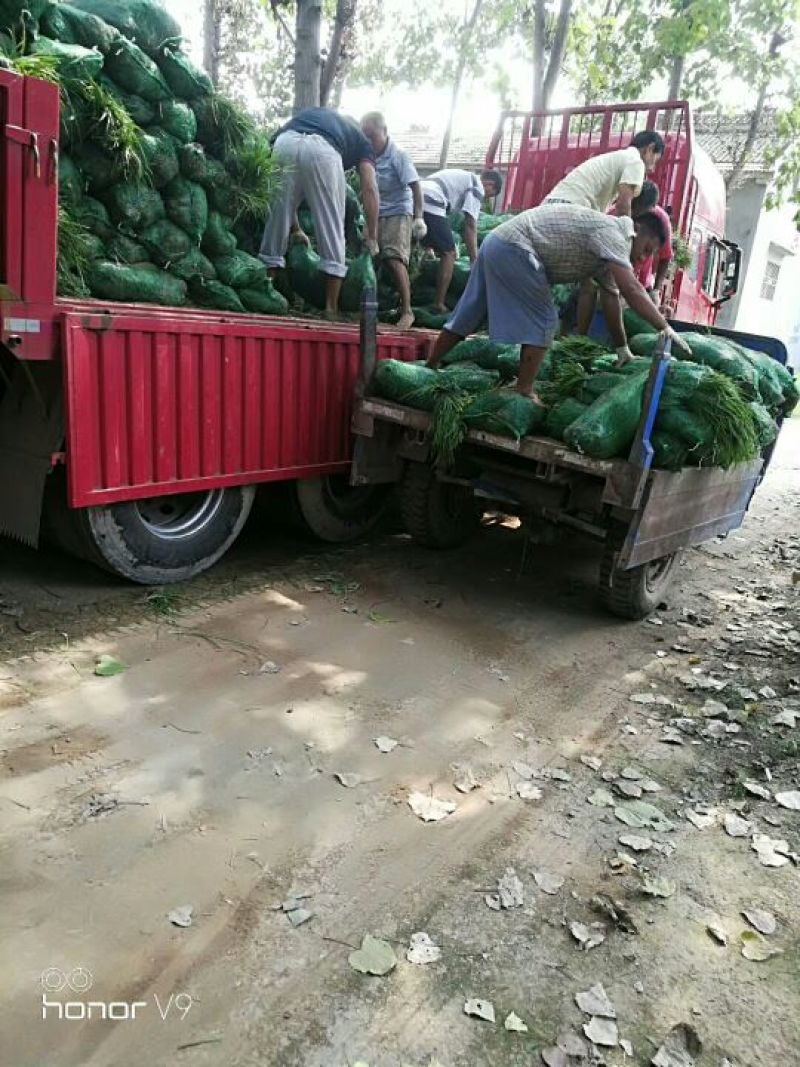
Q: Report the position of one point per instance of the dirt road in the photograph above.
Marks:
(205, 775)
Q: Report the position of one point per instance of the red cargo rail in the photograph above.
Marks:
(163, 419)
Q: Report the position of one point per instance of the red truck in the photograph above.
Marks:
(535, 151)
(138, 434)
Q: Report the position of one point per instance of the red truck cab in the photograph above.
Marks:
(535, 151)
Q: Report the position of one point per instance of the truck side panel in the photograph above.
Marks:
(164, 404)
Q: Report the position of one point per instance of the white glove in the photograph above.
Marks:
(418, 229)
(372, 247)
(677, 340)
(624, 355)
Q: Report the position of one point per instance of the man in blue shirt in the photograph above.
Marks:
(401, 207)
(316, 147)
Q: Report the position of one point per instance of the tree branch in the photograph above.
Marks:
(557, 52)
(274, 6)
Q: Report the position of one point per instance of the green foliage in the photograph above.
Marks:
(100, 117)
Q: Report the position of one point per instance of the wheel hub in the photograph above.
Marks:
(179, 517)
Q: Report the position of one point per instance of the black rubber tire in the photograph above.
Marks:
(117, 538)
(332, 510)
(637, 592)
(436, 514)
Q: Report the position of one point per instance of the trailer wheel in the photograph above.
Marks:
(637, 592)
(436, 514)
(156, 540)
(333, 510)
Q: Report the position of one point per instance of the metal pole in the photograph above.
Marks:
(369, 338)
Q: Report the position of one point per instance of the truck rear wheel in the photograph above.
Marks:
(156, 540)
(637, 592)
(436, 514)
(333, 510)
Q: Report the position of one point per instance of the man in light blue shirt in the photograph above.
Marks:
(401, 207)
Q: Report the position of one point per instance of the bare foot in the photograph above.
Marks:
(440, 309)
(406, 320)
(532, 395)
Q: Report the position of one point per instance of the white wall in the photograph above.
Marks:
(775, 241)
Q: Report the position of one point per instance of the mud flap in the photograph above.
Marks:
(31, 430)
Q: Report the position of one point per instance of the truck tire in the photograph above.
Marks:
(637, 592)
(157, 540)
(436, 514)
(332, 510)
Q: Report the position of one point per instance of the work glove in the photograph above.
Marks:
(677, 340)
(372, 247)
(624, 355)
(418, 229)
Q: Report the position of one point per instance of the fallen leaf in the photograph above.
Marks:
(602, 1032)
(616, 912)
(385, 744)
(653, 886)
(632, 790)
(298, 916)
(601, 798)
(757, 790)
(787, 717)
(422, 950)
(790, 800)
(430, 808)
(700, 820)
(107, 666)
(632, 774)
(680, 1047)
(465, 780)
(528, 791)
(268, 667)
(515, 1024)
(181, 916)
(524, 770)
(595, 1001)
(376, 617)
(348, 779)
(638, 844)
(558, 774)
(650, 786)
(593, 762)
(554, 1057)
(767, 692)
(374, 957)
(771, 850)
(736, 826)
(641, 814)
(481, 1009)
(510, 890)
(716, 930)
(763, 921)
(548, 883)
(626, 1046)
(588, 936)
(755, 948)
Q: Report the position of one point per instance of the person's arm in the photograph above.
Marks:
(471, 237)
(661, 274)
(636, 295)
(624, 197)
(371, 201)
(416, 192)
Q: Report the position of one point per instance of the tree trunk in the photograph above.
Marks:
(539, 28)
(756, 115)
(464, 42)
(211, 39)
(307, 59)
(676, 77)
(341, 37)
(557, 51)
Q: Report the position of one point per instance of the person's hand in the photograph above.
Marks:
(624, 355)
(372, 247)
(300, 237)
(678, 340)
(418, 229)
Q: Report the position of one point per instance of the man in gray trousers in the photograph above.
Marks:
(316, 147)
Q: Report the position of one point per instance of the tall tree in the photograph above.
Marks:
(307, 54)
(465, 38)
(547, 62)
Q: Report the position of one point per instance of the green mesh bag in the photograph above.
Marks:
(635, 324)
(143, 112)
(115, 281)
(193, 265)
(124, 249)
(134, 205)
(99, 169)
(187, 207)
(68, 24)
(239, 270)
(184, 79)
(402, 382)
(427, 319)
(305, 279)
(199, 167)
(777, 385)
(178, 120)
(73, 61)
(468, 377)
(562, 415)
(93, 246)
(264, 301)
(95, 217)
(360, 276)
(135, 71)
(461, 272)
(765, 426)
(70, 182)
(214, 294)
(688, 426)
(160, 155)
(669, 452)
(597, 384)
(607, 427)
(165, 241)
(218, 239)
(709, 351)
(154, 24)
(15, 12)
(116, 13)
(505, 413)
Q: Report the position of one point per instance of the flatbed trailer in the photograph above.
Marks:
(644, 517)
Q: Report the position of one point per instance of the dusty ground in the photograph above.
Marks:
(198, 777)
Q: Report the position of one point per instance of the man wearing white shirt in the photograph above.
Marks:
(614, 177)
(444, 192)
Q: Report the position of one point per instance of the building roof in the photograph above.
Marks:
(721, 136)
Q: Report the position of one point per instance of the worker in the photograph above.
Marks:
(401, 208)
(613, 177)
(522, 258)
(445, 192)
(650, 279)
(315, 148)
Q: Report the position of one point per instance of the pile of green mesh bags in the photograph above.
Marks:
(163, 183)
